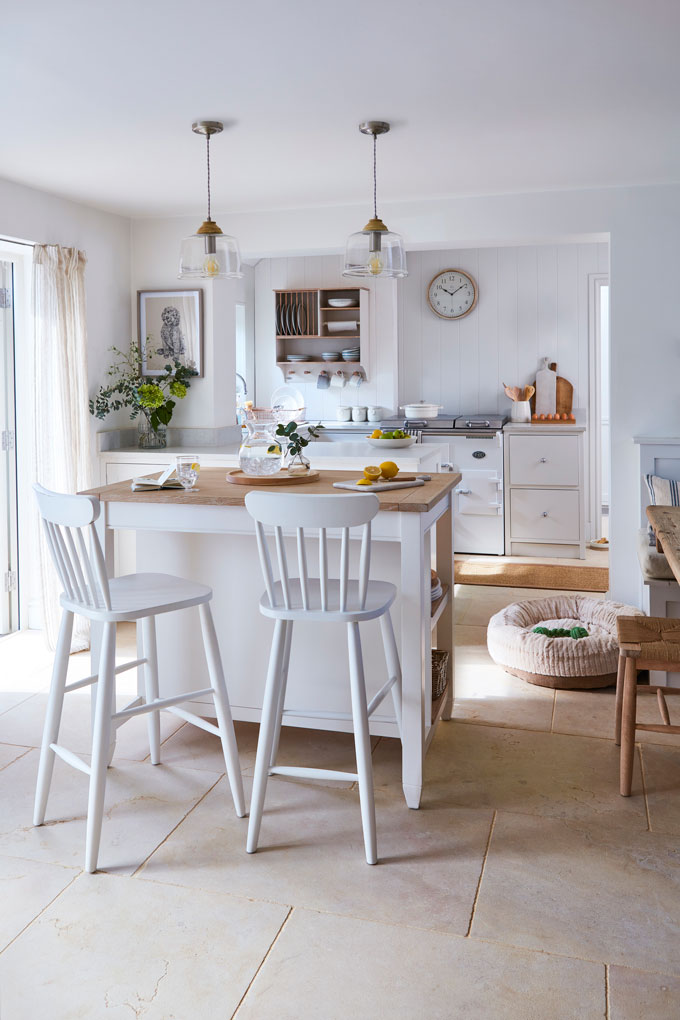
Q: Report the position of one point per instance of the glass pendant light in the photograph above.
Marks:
(209, 253)
(375, 250)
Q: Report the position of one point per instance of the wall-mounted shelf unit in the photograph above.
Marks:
(305, 321)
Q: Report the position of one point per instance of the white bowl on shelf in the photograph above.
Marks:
(391, 444)
(342, 302)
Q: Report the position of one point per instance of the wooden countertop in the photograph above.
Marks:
(214, 490)
(666, 523)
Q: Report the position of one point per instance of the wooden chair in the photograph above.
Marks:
(321, 599)
(645, 642)
(88, 591)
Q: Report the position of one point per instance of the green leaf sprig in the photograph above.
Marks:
(295, 443)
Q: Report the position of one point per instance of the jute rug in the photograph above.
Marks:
(563, 577)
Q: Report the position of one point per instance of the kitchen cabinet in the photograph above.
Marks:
(307, 324)
(544, 495)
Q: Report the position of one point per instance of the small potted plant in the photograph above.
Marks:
(295, 444)
(150, 399)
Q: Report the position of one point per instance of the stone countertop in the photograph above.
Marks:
(417, 453)
(522, 428)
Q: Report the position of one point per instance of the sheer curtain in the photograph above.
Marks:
(61, 422)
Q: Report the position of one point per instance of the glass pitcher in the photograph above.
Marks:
(261, 452)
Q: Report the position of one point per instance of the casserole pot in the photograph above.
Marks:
(421, 410)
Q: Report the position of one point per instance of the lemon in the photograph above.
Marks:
(372, 472)
(376, 434)
(195, 467)
(364, 481)
(389, 469)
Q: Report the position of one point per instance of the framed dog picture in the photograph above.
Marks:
(170, 328)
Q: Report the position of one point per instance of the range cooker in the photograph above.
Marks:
(475, 448)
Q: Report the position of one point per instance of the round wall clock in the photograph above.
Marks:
(452, 294)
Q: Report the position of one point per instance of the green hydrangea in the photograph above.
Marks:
(178, 389)
(151, 396)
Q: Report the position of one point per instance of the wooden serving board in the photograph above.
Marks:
(564, 397)
(237, 477)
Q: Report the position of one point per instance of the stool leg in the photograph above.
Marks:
(100, 745)
(222, 708)
(282, 694)
(619, 698)
(153, 719)
(266, 736)
(628, 726)
(393, 664)
(362, 741)
(53, 717)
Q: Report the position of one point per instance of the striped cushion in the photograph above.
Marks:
(662, 492)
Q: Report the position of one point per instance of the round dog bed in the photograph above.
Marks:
(565, 663)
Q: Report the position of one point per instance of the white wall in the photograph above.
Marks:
(380, 366)
(533, 302)
(211, 401)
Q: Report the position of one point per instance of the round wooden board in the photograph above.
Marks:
(283, 478)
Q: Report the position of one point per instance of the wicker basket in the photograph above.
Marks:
(440, 663)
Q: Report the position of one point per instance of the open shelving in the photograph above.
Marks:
(302, 318)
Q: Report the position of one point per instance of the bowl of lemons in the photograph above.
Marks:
(394, 440)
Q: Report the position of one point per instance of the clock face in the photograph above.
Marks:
(452, 294)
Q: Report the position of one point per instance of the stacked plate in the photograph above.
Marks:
(298, 357)
(350, 354)
(436, 589)
(330, 356)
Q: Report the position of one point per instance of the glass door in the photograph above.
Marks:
(9, 584)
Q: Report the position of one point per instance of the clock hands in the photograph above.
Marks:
(452, 292)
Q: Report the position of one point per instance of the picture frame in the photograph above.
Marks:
(169, 327)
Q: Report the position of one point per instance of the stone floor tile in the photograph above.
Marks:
(26, 888)
(338, 967)
(125, 948)
(10, 753)
(24, 725)
(591, 891)
(312, 854)
(638, 995)
(591, 713)
(521, 771)
(143, 804)
(485, 693)
(662, 786)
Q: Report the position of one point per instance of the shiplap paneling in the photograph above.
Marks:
(533, 302)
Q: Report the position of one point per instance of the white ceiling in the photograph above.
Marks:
(487, 96)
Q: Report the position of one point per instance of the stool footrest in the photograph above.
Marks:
(385, 689)
(158, 703)
(195, 720)
(657, 728)
(93, 679)
(296, 772)
(70, 758)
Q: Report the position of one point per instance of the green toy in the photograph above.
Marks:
(574, 632)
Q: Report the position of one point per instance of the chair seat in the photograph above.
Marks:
(650, 639)
(134, 596)
(379, 597)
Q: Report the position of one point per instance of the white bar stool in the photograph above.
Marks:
(136, 597)
(321, 599)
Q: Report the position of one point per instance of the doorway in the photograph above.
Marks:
(598, 411)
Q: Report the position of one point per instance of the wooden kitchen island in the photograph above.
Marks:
(207, 535)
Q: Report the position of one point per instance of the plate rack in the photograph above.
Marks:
(302, 318)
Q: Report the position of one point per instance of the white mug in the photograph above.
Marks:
(338, 380)
(358, 414)
(356, 379)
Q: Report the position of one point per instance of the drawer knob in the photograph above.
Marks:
(543, 460)
(544, 514)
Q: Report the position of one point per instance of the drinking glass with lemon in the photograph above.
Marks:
(187, 468)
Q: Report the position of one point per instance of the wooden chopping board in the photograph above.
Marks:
(564, 397)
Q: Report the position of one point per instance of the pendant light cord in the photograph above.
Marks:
(207, 150)
(375, 179)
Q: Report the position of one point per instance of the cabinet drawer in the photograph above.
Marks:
(544, 514)
(544, 460)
